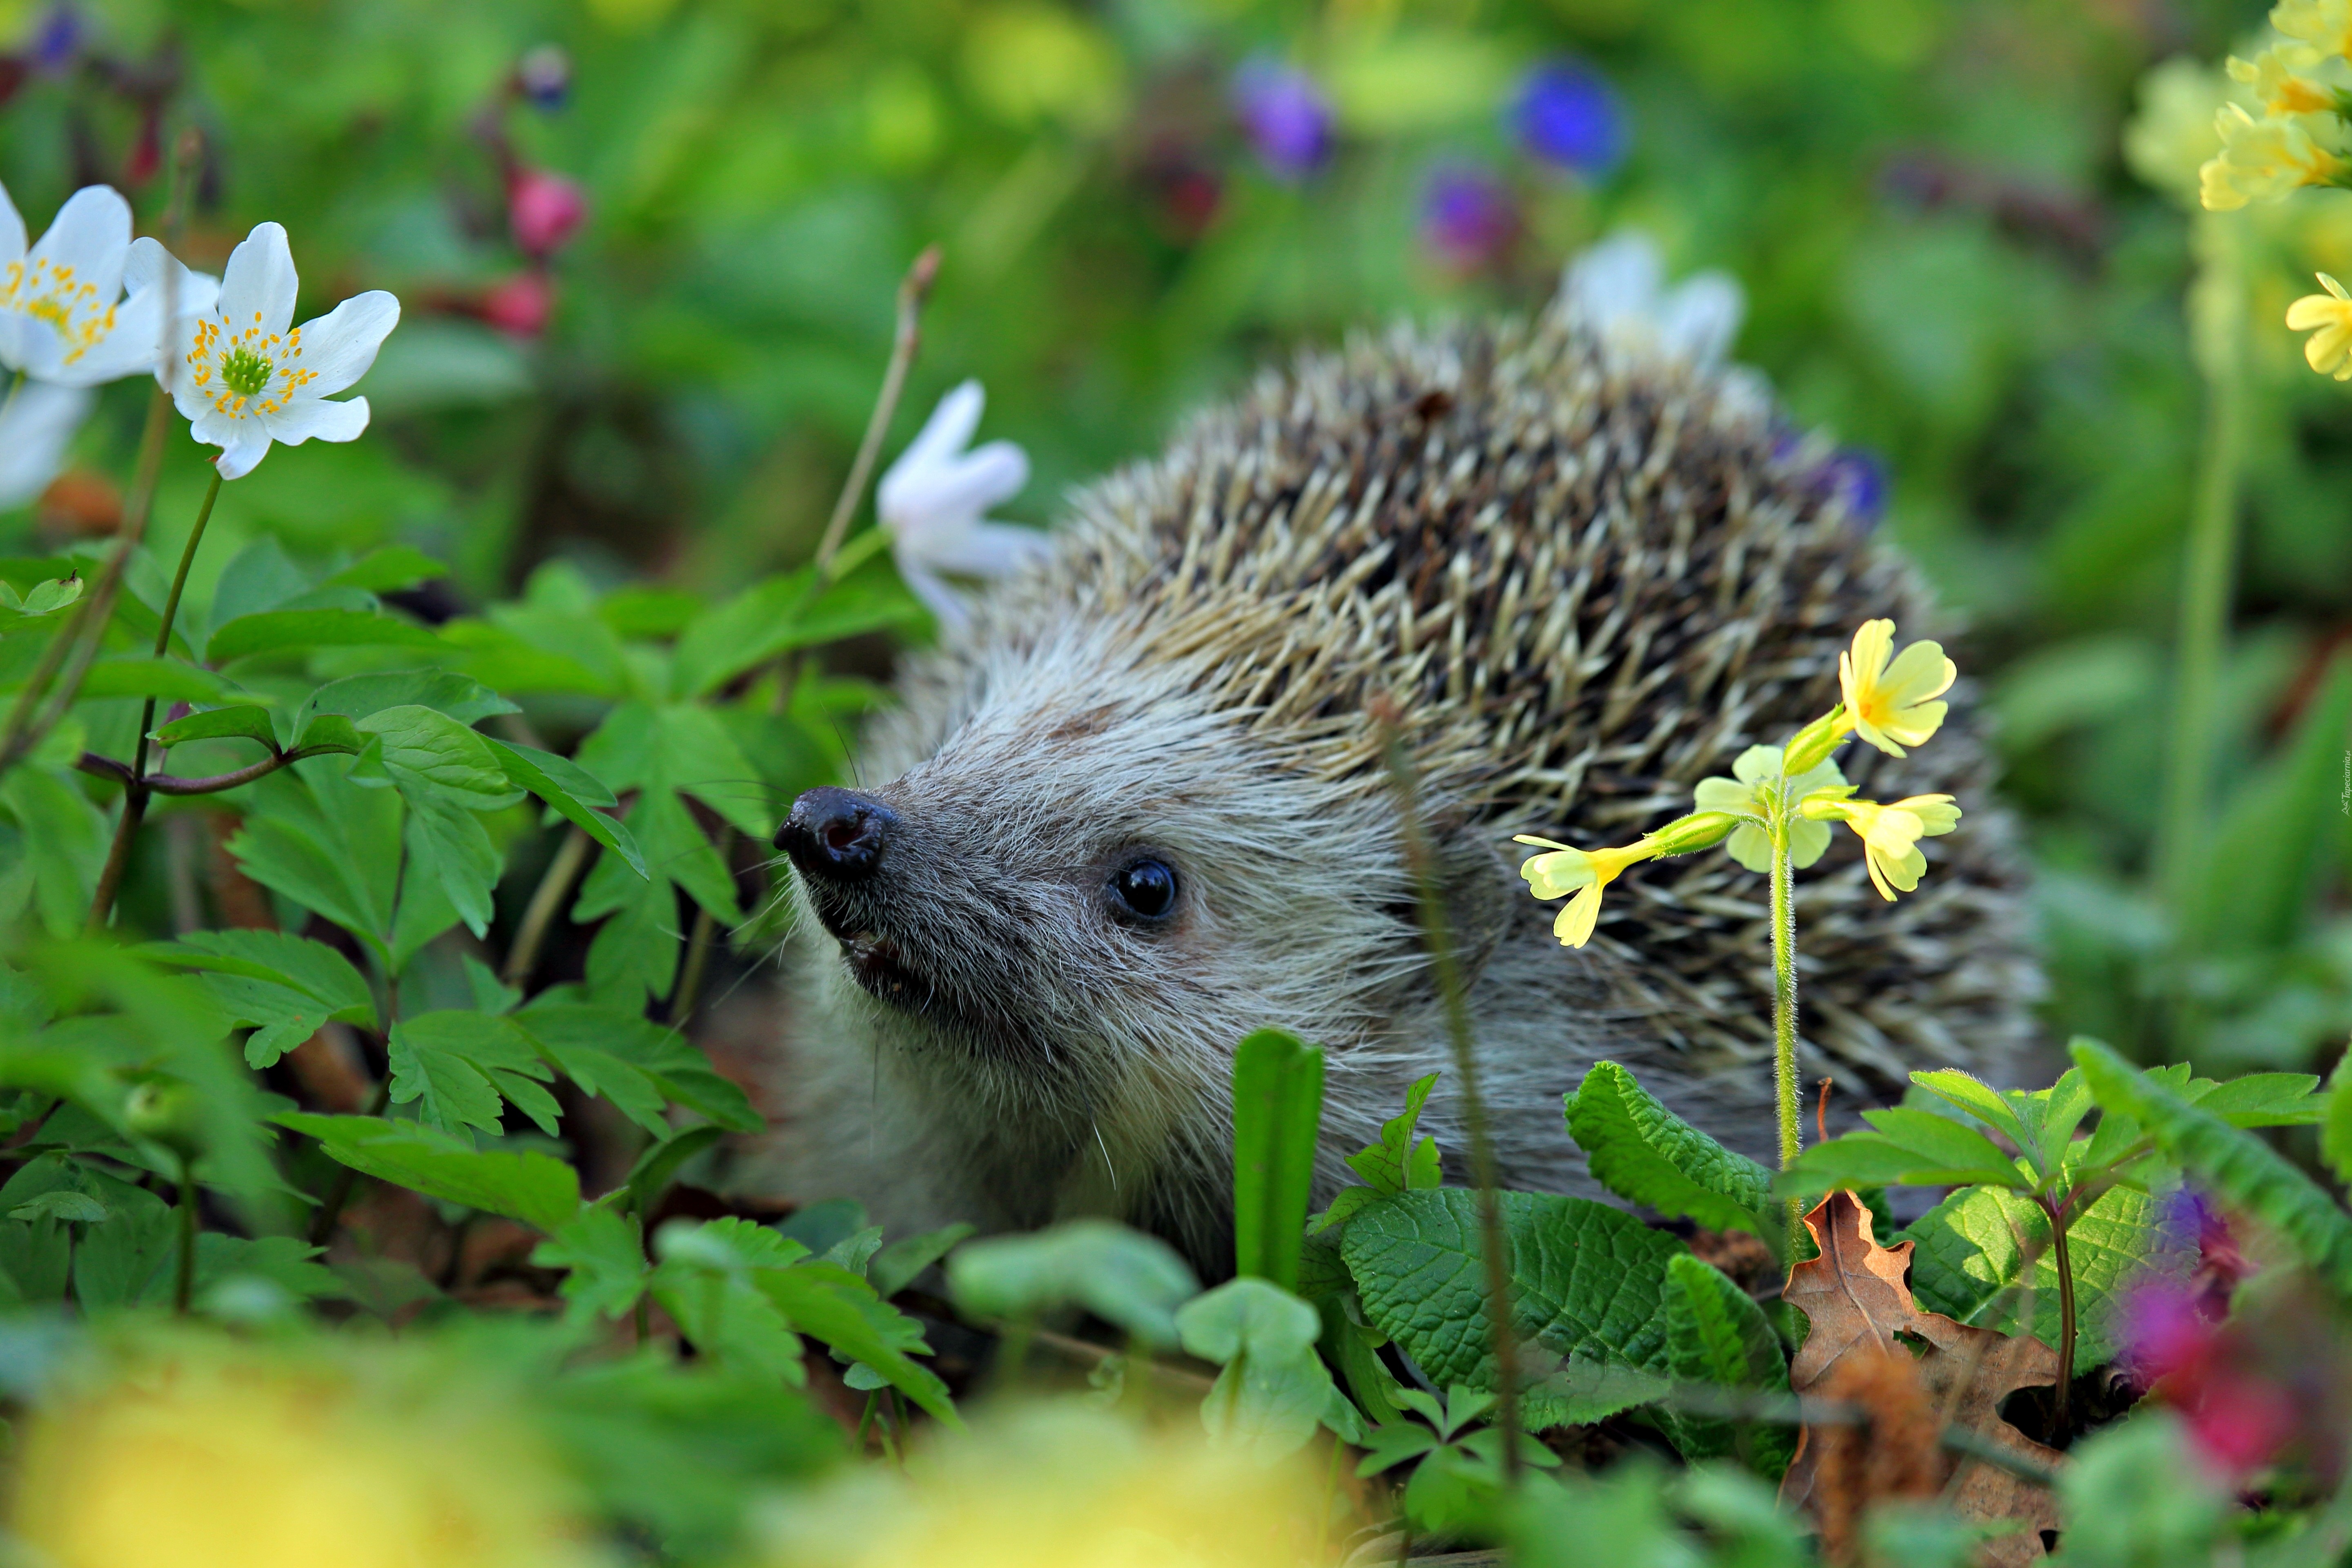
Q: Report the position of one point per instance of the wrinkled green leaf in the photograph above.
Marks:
(1121, 1276)
(1645, 1154)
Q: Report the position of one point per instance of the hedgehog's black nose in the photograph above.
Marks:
(837, 834)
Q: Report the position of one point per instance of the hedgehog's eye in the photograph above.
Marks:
(1144, 888)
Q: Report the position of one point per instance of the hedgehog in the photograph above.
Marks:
(1136, 808)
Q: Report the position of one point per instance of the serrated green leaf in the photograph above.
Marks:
(829, 1303)
(459, 1065)
(540, 1191)
(1397, 1163)
(447, 844)
(296, 631)
(1589, 1282)
(1978, 1097)
(659, 1164)
(603, 1252)
(1277, 1108)
(1874, 1160)
(1121, 1276)
(572, 790)
(2235, 1165)
(2262, 1100)
(1645, 1154)
(777, 615)
(456, 696)
(430, 745)
(705, 1282)
(1717, 1335)
(895, 1267)
(220, 723)
(1942, 1144)
(598, 1039)
(285, 986)
(1971, 1252)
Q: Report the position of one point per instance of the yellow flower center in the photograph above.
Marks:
(252, 370)
(53, 294)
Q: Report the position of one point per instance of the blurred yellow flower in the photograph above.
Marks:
(2279, 78)
(1889, 697)
(1059, 1486)
(1029, 62)
(2324, 25)
(2172, 135)
(206, 1456)
(1583, 873)
(1890, 834)
(2269, 159)
(2329, 348)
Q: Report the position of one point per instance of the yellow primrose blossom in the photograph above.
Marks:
(1890, 697)
(2281, 76)
(2270, 159)
(1890, 834)
(2324, 25)
(1744, 795)
(1583, 873)
(2329, 348)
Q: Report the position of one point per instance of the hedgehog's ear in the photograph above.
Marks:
(1477, 886)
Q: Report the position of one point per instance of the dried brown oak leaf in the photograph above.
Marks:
(1854, 1295)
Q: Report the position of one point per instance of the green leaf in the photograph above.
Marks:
(1978, 1097)
(831, 1304)
(431, 746)
(457, 1065)
(118, 675)
(63, 1204)
(1944, 1145)
(387, 570)
(1717, 1335)
(2336, 1137)
(458, 696)
(1588, 1282)
(704, 1282)
(2238, 1167)
(286, 986)
(607, 1050)
(294, 631)
(604, 1252)
(572, 790)
(540, 1191)
(60, 848)
(1397, 1163)
(2261, 862)
(1121, 1276)
(2262, 1100)
(1970, 1259)
(447, 843)
(1277, 1108)
(1647, 1154)
(777, 615)
(1874, 1160)
(895, 1267)
(1275, 1390)
(219, 723)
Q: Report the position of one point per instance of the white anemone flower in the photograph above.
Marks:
(245, 375)
(1618, 286)
(65, 325)
(932, 500)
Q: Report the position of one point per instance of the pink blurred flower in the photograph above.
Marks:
(520, 305)
(546, 210)
(2176, 1350)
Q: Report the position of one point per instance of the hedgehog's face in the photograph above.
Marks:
(1085, 877)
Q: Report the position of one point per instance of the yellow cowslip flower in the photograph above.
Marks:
(2270, 159)
(2329, 348)
(1746, 797)
(2281, 77)
(1890, 834)
(204, 1455)
(1890, 697)
(2325, 25)
(1060, 1486)
(1583, 873)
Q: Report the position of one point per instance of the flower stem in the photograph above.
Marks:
(1784, 995)
(2216, 311)
(912, 291)
(2061, 1218)
(545, 900)
(135, 793)
(697, 948)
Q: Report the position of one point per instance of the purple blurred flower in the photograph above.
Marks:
(57, 42)
(1467, 216)
(1285, 115)
(544, 76)
(1566, 113)
(1859, 478)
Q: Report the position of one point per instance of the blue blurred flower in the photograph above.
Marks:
(1468, 216)
(1566, 113)
(57, 42)
(1285, 115)
(1858, 478)
(544, 75)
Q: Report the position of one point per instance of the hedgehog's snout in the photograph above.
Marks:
(836, 834)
